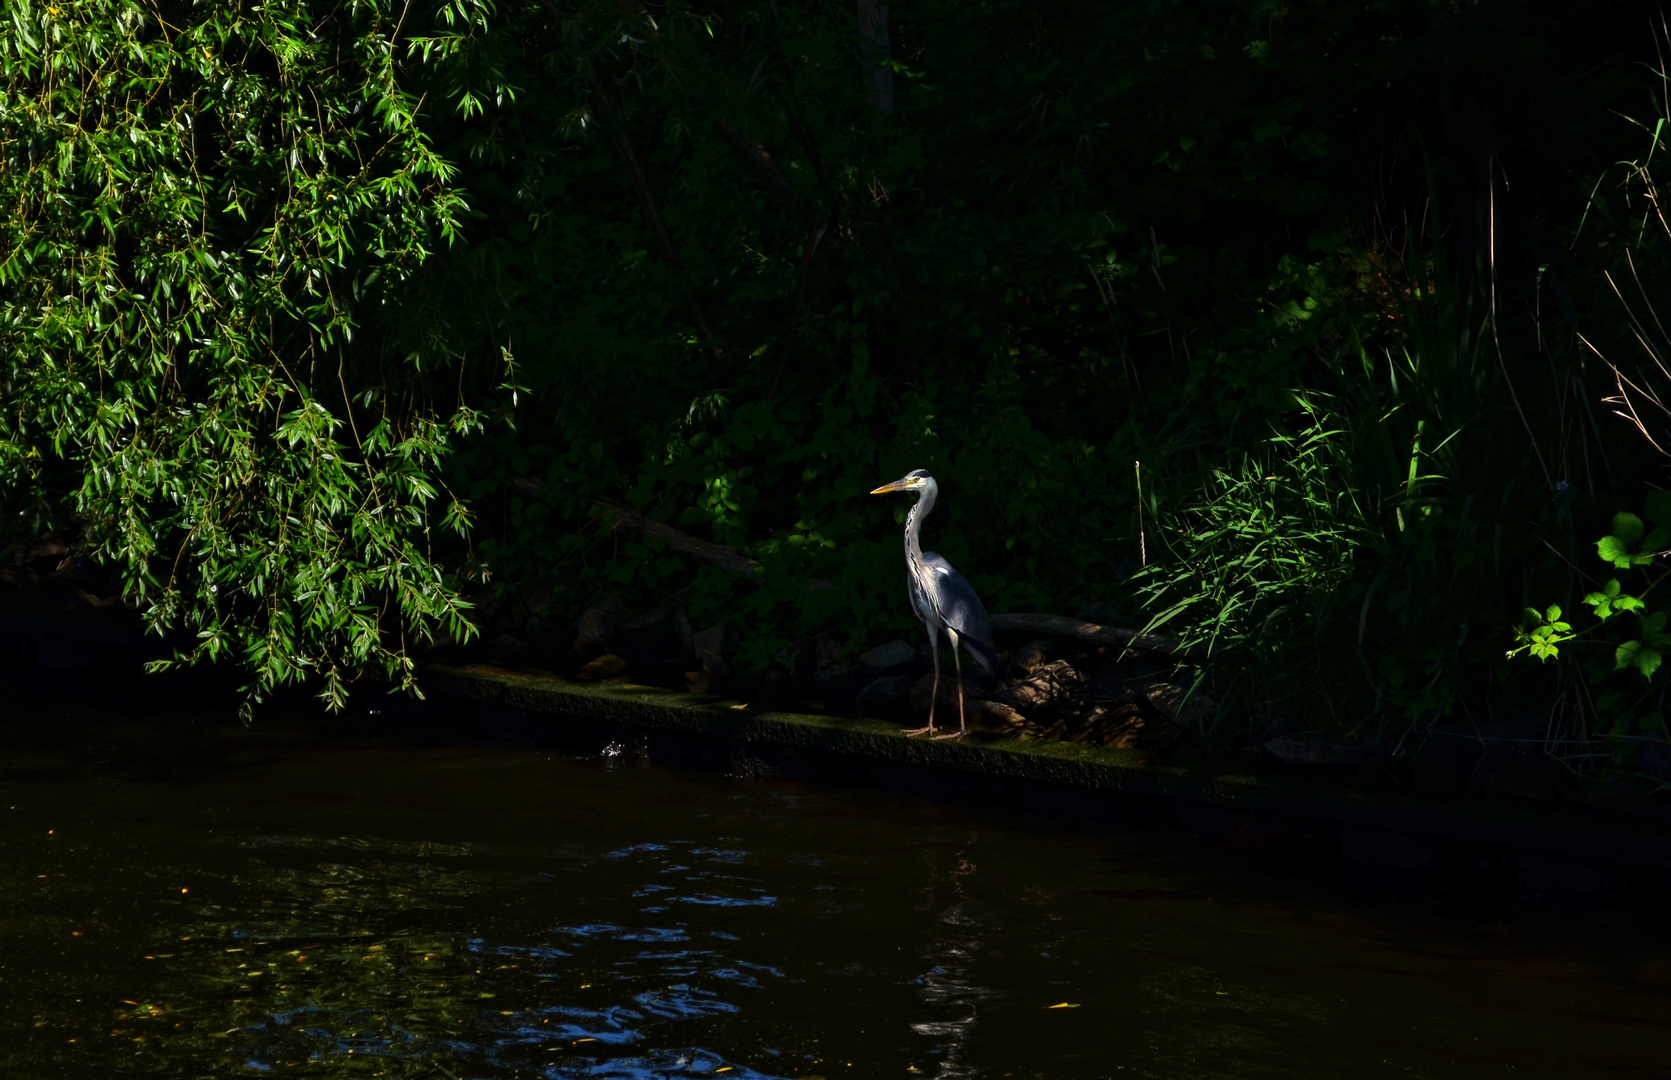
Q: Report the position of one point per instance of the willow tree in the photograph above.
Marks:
(207, 212)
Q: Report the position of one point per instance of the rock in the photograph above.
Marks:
(1310, 751)
(774, 691)
(1128, 725)
(827, 657)
(887, 659)
(1512, 728)
(1626, 795)
(604, 667)
(47, 549)
(808, 655)
(714, 648)
(511, 611)
(1052, 684)
(1655, 971)
(1030, 657)
(548, 642)
(995, 716)
(539, 630)
(1485, 770)
(888, 697)
(1538, 777)
(924, 686)
(598, 625)
(508, 651)
(483, 607)
(838, 688)
(652, 637)
(1444, 761)
(682, 636)
(1179, 705)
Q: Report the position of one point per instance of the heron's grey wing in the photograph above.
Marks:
(958, 606)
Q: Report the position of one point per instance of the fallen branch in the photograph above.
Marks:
(733, 562)
(679, 543)
(1063, 627)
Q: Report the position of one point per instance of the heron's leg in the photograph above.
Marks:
(934, 651)
(957, 661)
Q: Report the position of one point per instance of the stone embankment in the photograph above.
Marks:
(1315, 813)
(1085, 720)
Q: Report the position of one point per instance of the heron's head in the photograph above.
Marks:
(911, 481)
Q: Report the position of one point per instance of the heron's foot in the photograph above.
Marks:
(950, 735)
(913, 732)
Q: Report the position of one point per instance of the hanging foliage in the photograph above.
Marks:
(208, 209)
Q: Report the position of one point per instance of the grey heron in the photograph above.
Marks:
(942, 598)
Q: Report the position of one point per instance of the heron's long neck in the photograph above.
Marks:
(914, 525)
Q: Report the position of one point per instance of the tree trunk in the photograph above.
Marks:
(875, 49)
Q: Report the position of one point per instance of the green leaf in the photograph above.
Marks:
(1553, 614)
(1614, 550)
(1659, 508)
(1627, 527)
(1635, 654)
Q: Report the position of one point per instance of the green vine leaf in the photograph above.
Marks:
(1659, 508)
(1614, 550)
(1627, 527)
(1635, 654)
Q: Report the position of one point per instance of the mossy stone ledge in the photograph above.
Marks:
(1501, 840)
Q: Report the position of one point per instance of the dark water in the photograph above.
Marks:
(299, 900)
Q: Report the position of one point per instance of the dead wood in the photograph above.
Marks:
(1060, 626)
(679, 543)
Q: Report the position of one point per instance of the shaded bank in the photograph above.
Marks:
(1411, 817)
(1319, 816)
(1287, 329)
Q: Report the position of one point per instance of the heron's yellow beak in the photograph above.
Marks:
(897, 485)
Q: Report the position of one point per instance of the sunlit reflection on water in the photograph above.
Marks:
(291, 901)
